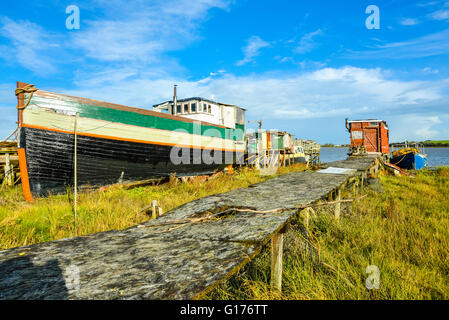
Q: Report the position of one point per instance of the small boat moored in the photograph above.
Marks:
(410, 158)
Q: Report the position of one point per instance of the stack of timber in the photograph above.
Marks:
(183, 254)
(9, 163)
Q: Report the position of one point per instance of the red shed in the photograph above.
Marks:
(372, 134)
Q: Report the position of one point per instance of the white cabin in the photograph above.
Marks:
(205, 110)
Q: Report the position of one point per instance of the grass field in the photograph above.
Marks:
(404, 231)
(51, 218)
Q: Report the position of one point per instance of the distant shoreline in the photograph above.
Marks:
(332, 146)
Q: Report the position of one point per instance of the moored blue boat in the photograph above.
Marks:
(409, 158)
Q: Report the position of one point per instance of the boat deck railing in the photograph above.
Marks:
(416, 145)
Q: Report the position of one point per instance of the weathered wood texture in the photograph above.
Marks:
(276, 261)
(160, 259)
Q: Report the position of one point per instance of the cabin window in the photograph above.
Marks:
(178, 108)
(200, 107)
(357, 135)
(204, 107)
(193, 107)
(373, 123)
(209, 109)
(186, 108)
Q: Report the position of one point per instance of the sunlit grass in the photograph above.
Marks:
(51, 218)
(403, 230)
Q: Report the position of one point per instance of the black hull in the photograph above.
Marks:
(50, 161)
(406, 161)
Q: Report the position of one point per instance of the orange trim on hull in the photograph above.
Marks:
(24, 175)
(121, 139)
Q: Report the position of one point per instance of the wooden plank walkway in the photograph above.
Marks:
(176, 256)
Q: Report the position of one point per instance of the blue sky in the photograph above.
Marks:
(300, 66)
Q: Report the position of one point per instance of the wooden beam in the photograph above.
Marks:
(276, 261)
(12, 158)
(9, 175)
(338, 204)
(8, 149)
(363, 182)
(154, 209)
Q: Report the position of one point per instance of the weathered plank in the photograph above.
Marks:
(276, 261)
(162, 259)
(12, 158)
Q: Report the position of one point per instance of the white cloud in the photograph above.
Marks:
(29, 45)
(145, 33)
(427, 4)
(327, 93)
(252, 49)
(440, 15)
(315, 94)
(128, 35)
(417, 127)
(409, 22)
(307, 42)
(430, 45)
(430, 70)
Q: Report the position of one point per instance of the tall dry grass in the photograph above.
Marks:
(51, 218)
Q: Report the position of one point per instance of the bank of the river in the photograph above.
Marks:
(401, 228)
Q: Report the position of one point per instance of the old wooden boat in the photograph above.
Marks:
(112, 142)
(409, 157)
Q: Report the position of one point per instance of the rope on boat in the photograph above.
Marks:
(400, 160)
(26, 89)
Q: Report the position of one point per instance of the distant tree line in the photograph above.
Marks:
(331, 145)
(428, 143)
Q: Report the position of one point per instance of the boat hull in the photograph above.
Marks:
(410, 161)
(100, 161)
(114, 144)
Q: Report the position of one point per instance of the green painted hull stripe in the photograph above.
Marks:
(137, 119)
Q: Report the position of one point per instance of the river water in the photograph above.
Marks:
(435, 156)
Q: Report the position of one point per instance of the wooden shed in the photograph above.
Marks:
(372, 135)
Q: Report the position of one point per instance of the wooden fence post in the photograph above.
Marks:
(276, 261)
(338, 204)
(154, 210)
(307, 217)
(9, 178)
